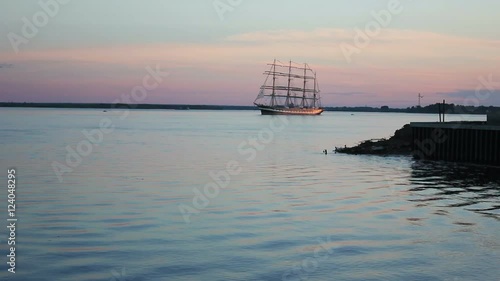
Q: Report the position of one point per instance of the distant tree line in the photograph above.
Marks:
(433, 108)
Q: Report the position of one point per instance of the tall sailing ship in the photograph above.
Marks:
(289, 89)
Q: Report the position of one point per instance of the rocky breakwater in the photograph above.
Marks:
(400, 144)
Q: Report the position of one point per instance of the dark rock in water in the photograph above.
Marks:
(400, 144)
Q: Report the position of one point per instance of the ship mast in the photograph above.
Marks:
(304, 89)
(286, 94)
(273, 96)
(314, 100)
(287, 101)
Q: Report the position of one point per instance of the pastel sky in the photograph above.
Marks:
(95, 50)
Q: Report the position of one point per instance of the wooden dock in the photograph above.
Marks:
(474, 142)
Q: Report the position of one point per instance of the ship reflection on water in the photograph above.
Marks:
(449, 185)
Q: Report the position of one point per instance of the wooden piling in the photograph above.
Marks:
(461, 142)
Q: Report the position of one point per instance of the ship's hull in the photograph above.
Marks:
(289, 111)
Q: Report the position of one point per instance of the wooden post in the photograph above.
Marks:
(439, 112)
(444, 109)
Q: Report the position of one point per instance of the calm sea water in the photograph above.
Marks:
(288, 213)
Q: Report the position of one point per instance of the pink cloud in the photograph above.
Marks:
(394, 67)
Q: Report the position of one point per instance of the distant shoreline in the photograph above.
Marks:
(431, 109)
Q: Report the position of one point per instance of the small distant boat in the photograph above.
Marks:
(290, 89)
